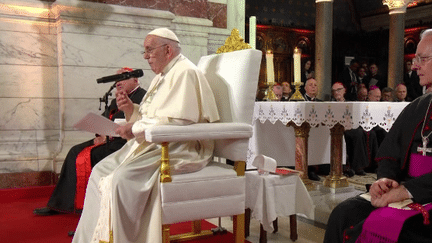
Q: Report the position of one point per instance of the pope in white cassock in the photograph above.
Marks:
(122, 198)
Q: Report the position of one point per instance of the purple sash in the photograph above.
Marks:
(384, 225)
(419, 165)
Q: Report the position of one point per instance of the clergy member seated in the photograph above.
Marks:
(286, 91)
(122, 201)
(68, 195)
(387, 94)
(311, 90)
(362, 93)
(401, 93)
(277, 89)
(338, 92)
(404, 176)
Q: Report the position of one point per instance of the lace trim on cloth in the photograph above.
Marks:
(83, 171)
(103, 230)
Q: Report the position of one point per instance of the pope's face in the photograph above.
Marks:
(424, 67)
(156, 53)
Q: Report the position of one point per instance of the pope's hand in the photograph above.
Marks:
(124, 103)
(125, 131)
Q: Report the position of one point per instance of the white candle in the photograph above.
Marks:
(270, 67)
(252, 32)
(297, 66)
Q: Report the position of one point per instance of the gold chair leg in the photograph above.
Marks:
(166, 233)
(196, 226)
(239, 228)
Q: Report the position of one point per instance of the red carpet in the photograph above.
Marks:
(19, 225)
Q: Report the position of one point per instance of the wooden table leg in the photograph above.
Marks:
(293, 227)
(247, 222)
(263, 235)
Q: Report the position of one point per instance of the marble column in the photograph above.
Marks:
(301, 151)
(396, 41)
(335, 179)
(323, 46)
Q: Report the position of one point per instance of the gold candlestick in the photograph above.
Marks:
(297, 96)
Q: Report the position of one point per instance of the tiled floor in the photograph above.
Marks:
(309, 230)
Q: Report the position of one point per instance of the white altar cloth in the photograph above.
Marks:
(271, 196)
(272, 138)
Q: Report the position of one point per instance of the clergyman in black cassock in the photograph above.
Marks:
(345, 223)
(63, 197)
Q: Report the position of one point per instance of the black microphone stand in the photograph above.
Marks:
(105, 100)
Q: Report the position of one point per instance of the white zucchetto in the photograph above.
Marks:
(164, 33)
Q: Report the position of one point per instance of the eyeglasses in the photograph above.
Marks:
(151, 50)
(421, 60)
(337, 90)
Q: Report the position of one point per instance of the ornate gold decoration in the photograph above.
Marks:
(300, 131)
(269, 93)
(335, 181)
(397, 6)
(240, 167)
(234, 42)
(165, 167)
(111, 239)
(297, 96)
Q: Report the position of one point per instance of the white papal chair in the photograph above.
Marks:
(217, 190)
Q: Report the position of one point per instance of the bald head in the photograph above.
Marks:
(311, 88)
(374, 94)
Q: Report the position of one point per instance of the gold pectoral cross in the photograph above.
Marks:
(424, 149)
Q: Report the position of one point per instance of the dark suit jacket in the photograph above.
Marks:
(349, 84)
(412, 83)
(307, 98)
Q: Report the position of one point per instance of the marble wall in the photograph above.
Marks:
(52, 52)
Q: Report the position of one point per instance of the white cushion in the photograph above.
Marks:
(199, 131)
(190, 196)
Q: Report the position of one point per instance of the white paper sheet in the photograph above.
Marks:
(97, 124)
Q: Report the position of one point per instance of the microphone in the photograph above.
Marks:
(119, 77)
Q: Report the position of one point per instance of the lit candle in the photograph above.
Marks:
(270, 68)
(297, 66)
(252, 32)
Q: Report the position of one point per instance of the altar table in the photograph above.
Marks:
(326, 118)
(270, 196)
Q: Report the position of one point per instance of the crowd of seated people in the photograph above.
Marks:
(363, 82)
